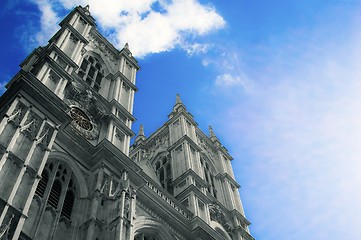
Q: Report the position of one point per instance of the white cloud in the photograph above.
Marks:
(228, 80)
(149, 26)
(49, 21)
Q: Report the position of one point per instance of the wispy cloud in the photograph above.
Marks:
(301, 126)
(164, 24)
(229, 69)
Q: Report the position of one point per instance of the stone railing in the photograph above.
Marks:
(168, 200)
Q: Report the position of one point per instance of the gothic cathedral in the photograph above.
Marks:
(68, 171)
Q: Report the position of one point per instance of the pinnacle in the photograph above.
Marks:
(140, 136)
(141, 130)
(211, 132)
(178, 99)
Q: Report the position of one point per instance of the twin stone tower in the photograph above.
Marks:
(68, 171)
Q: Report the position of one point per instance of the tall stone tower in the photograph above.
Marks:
(67, 170)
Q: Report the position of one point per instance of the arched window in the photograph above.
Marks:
(92, 72)
(143, 236)
(209, 178)
(163, 169)
(59, 178)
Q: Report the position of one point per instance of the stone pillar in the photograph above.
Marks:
(119, 234)
(94, 205)
(133, 204)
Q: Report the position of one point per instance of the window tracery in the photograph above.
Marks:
(57, 187)
(209, 178)
(163, 169)
(92, 72)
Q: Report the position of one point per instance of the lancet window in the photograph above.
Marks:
(209, 178)
(163, 169)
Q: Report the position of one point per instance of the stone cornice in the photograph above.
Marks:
(183, 139)
(223, 176)
(124, 78)
(122, 109)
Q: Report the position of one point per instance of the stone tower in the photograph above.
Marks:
(67, 170)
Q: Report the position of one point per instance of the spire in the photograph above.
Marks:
(179, 106)
(141, 136)
(178, 99)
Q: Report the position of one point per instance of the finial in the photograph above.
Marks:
(178, 99)
(141, 130)
(86, 10)
(211, 132)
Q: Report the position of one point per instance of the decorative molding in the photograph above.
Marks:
(216, 214)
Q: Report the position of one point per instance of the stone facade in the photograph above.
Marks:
(67, 170)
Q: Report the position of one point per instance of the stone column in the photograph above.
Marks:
(12, 142)
(94, 205)
(119, 234)
(133, 204)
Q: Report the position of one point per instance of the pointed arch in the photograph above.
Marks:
(211, 163)
(162, 165)
(93, 70)
(220, 229)
(94, 52)
(209, 172)
(80, 182)
(152, 228)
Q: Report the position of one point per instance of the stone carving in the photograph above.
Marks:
(216, 214)
(124, 181)
(30, 127)
(79, 93)
(44, 138)
(126, 205)
(104, 187)
(4, 230)
(147, 154)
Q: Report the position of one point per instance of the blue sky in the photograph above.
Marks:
(279, 81)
